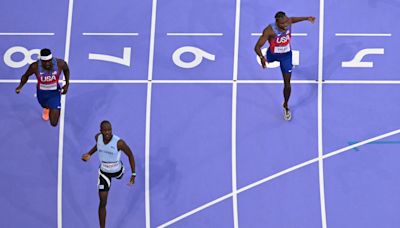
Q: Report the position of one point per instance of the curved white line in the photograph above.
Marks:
(283, 172)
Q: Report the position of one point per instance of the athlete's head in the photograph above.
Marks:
(282, 21)
(46, 57)
(106, 130)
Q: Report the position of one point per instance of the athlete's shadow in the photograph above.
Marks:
(163, 183)
(303, 72)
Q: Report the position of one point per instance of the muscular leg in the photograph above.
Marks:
(103, 195)
(287, 89)
(54, 116)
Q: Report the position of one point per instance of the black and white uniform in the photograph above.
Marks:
(111, 165)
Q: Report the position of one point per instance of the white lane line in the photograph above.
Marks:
(192, 81)
(62, 120)
(320, 140)
(148, 114)
(235, 209)
(193, 34)
(110, 34)
(361, 81)
(134, 81)
(283, 172)
(194, 211)
(293, 34)
(276, 81)
(363, 34)
(147, 154)
(27, 34)
(233, 159)
(108, 81)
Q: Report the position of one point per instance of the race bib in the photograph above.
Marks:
(52, 86)
(282, 49)
(110, 167)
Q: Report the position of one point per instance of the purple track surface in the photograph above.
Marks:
(211, 146)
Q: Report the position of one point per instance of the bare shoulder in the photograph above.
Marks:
(121, 143)
(268, 31)
(61, 62)
(97, 136)
(34, 65)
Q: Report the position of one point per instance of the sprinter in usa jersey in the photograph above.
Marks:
(279, 35)
(47, 71)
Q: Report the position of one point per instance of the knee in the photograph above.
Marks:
(287, 85)
(103, 203)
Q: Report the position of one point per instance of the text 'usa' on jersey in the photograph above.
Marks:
(281, 42)
(48, 80)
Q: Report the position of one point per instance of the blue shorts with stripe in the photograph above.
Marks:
(285, 60)
(49, 98)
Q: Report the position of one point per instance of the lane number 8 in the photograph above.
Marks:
(28, 54)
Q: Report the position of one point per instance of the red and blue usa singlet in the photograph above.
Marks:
(281, 42)
(48, 89)
(48, 80)
(280, 49)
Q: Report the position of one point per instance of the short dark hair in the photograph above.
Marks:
(45, 52)
(280, 15)
(104, 122)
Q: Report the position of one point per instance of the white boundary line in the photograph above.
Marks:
(363, 34)
(78, 81)
(148, 113)
(328, 155)
(16, 81)
(233, 154)
(293, 34)
(192, 81)
(276, 81)
(147, 155)
(27, 34)
(383, 82)
(235, 209)
(193, 34)
(276, 175)
(110, 34)
(62, 118)
(362, 82)
(347, 148)
(320, 139)
(196, 210)
(109, 81)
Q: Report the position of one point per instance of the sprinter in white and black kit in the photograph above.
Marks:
(109, 148)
